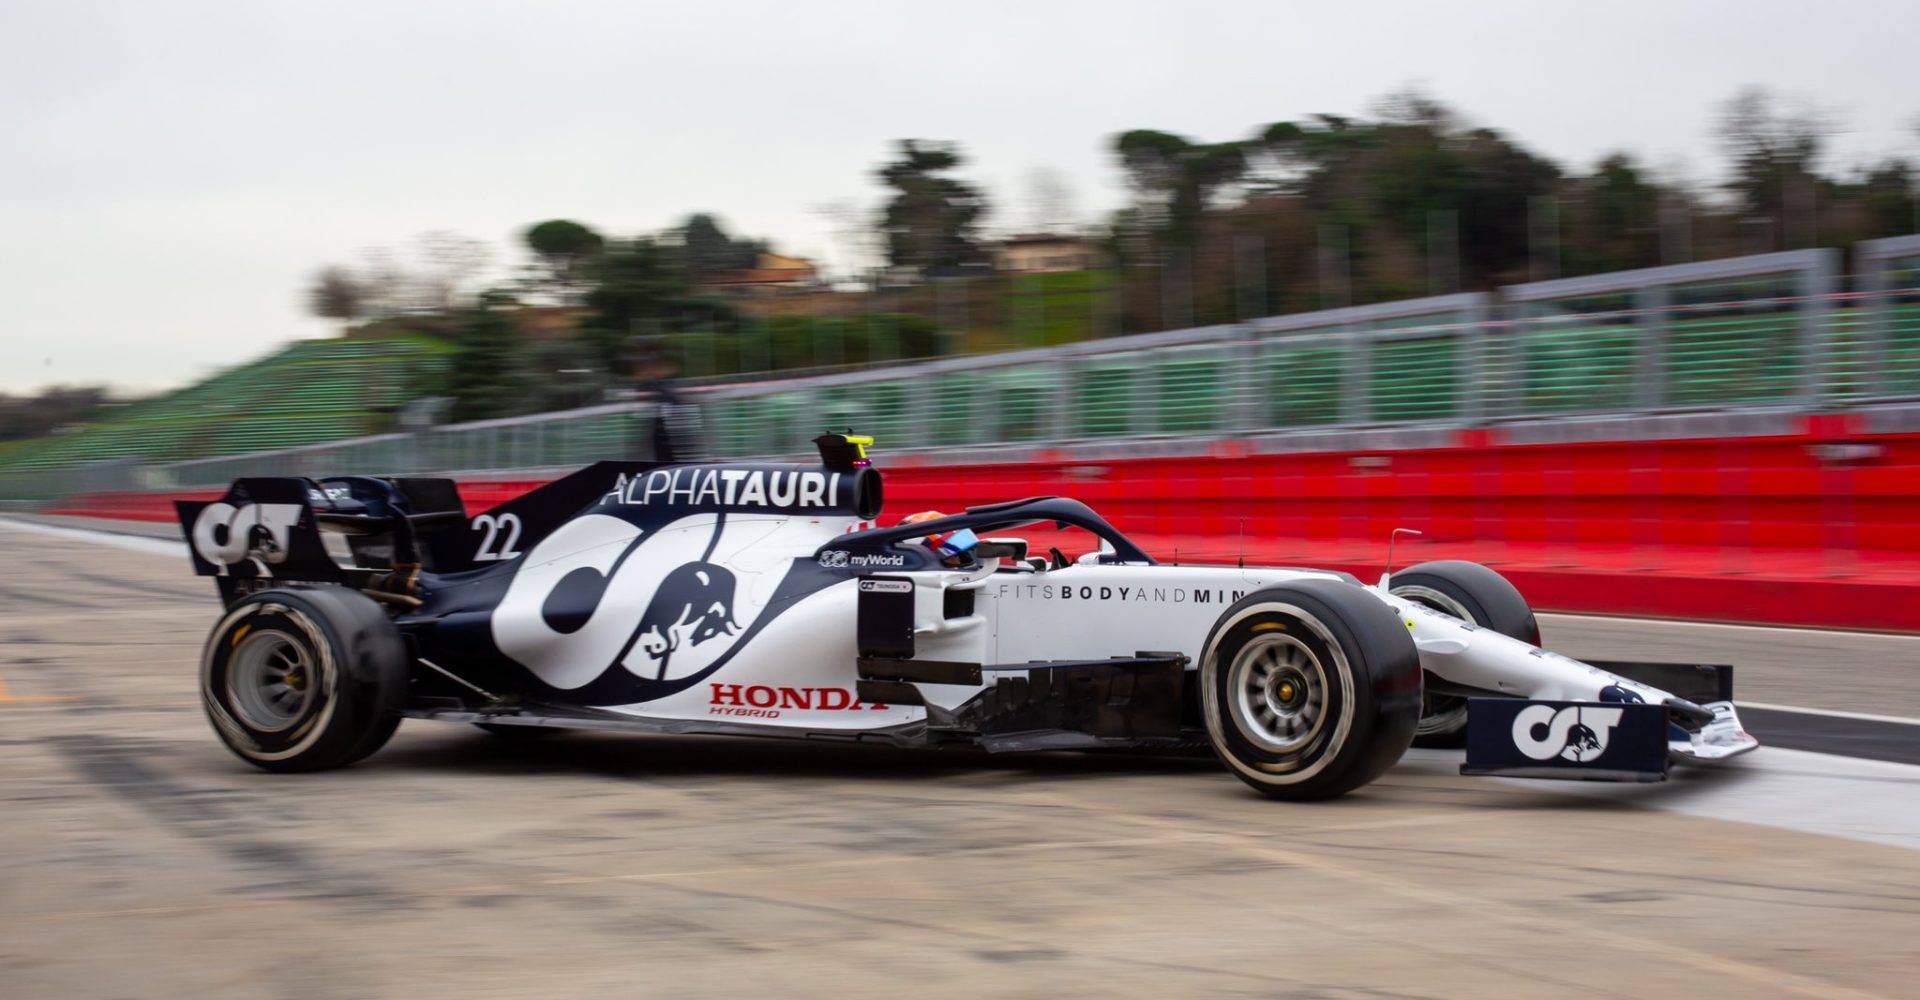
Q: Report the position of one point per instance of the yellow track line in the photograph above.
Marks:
(4, 696)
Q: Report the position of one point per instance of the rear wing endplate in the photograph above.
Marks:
(262, 529)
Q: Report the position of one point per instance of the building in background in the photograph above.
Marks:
(772, 274)
(1046, 253)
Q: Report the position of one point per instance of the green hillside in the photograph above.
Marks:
(307, 393)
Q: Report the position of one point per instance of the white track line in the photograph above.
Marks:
(1866, 800)
(131, 543)
(1798, 710)
(1681, 623)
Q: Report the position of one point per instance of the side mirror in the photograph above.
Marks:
(1099, 556)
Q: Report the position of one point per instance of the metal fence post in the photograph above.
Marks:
(1474, 381)
(1815, 333)
(1357, 340)
(1146, 418)
(1064, 402)
(1242, 358)
(1650, 390)
(1879, 326)
(918, 427)
(1874, 258)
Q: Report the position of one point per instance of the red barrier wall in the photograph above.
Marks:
(1756, 493)
(1816, 528)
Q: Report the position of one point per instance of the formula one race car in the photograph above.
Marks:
(763, 600)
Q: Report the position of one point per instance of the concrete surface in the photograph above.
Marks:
(139, 859)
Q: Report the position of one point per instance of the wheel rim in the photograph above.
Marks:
(1439, 713)
(1435, 600)
(1280, 692)
(270, 681)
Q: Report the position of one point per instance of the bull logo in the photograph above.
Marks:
(694, 604)
(1582, 744)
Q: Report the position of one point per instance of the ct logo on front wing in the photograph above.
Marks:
(1577, 733)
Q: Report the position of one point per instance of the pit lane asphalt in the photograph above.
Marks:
(137, 858)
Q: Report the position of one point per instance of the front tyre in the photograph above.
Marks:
(304, 679)
(1471, 592)
(1309, 689)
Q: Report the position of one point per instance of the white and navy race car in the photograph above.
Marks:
(764, 600)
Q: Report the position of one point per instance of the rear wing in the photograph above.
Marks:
(262, 530)
(267, 531)
(385, 531)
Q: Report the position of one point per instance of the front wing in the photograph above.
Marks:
(1593, 741)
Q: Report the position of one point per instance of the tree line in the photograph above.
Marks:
(1410, 199)
(35, 414)
(1331, 210)
(1328, 210)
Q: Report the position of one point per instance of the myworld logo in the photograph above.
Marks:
(840, 559)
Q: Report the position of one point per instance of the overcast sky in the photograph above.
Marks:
(172, 173)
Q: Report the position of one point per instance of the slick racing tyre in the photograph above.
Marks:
(304, 679)
(1309, 689)
(1477, 594)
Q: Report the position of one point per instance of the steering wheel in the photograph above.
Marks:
(1059, 558)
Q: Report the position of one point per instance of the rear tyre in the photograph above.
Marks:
(1309, 689)
(304, 679)
(1472, 592)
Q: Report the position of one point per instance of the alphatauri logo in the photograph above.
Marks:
(693, 486)
(1577, 733)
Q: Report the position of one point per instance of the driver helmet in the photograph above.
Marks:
(954, 548)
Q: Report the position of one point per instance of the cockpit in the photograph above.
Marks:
(1035, 535)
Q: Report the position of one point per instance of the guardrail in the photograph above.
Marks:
(1751, 335)
(1890, 285)
(567, 437)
